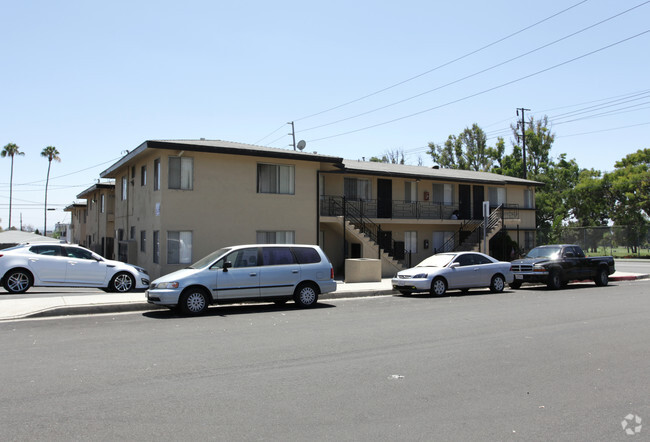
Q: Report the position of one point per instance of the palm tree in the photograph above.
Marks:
(11, 150)
(50, 153)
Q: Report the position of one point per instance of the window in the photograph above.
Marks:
(132, 233)
(279, 237)
(179, 247)
(529, 240)
(274, 178)
(143, 240)
(410, 191)
(156, 247)
(102, 203)
(124, 188)
(411, 242)
(143, 176)
(497, 196)
(156, 174)
(306, 255)
(275, 256)
(439, 241)
(443, 193)
(528, 199)
(181, 173)
(357, 189)
(46, 250)
(239, 258)
(132, 172)
(74, 252)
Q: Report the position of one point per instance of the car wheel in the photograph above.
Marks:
(602, 278)
(17, 281)
(554, 280)
(497, 284)
(438, 287)
(515, 284)
(122, 282)
(306, 295)
(193, 301)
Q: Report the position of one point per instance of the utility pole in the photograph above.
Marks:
(523, 137)
(293, 134)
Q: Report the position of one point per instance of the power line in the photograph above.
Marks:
(442, 65)
(485, 90)
(573, 34)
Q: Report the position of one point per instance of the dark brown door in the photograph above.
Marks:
(384, 198)
(479, 197)
(464, 201)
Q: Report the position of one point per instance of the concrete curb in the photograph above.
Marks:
(107, 308)
(88, 309)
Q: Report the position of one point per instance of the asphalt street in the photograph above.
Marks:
(530, 364)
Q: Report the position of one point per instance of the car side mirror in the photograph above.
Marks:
(227, 265)
(569, 255)
(454, 265)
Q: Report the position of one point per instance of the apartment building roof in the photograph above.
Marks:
(222, 147)
(94, 187)
(69, 207)
(429, 173)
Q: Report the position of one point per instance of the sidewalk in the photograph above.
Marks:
(101, 302)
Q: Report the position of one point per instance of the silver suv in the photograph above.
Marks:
(263, 272)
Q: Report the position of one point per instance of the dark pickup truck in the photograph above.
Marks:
(556, 265)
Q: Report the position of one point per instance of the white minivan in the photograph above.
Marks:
(256, 272)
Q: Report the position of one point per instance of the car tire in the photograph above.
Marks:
(17, 281)
(602, 277)
(438, 287)
(306, 295)
(515, 285)
(497, 284)
(122, 282)
(554, 280)
(193, 301)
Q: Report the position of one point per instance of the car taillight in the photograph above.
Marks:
(331, 272)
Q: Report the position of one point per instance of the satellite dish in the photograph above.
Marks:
(301, 144)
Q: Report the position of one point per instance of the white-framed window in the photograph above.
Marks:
(410, 191)
(440, 242)
(528, 199)
(124, 188)
(276, 178)
(411, 242)
(357, 189)
(497, 196)
(181, 173)
(276, 237)
(102, 203)
(156, 174)
(179, 247)
(443, 193)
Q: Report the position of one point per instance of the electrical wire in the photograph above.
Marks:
(485, 90)
(442, 65)
(573, 34)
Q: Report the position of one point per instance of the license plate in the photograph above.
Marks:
(519, 276)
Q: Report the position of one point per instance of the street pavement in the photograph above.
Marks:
(47, 302)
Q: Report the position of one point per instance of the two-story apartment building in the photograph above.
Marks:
(78, 215)
(100, 225)
(177, 201)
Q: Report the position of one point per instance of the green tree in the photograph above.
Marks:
(11, 150)
(51, 153)
(588, 201)
(468, 151)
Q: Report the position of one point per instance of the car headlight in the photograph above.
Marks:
(421, 276)
(141, 270)
(167, 285)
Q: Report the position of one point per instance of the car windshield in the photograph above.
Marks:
(207, 260)
(439, 260)
(544, 252)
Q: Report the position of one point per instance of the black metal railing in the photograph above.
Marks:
(398, 209)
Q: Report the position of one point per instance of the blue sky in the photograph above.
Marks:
(95, 79)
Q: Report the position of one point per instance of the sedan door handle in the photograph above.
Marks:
(294, 271)
(253, 274)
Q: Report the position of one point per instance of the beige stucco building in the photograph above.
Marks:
(176, 201)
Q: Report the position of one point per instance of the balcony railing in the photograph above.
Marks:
(333, 206)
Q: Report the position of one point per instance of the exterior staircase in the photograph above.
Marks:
(389, 265)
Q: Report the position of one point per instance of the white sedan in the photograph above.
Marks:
(459, 270)
(65, 265)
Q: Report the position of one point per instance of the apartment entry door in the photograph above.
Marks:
(464, 201)
(384, 198)
(479, 197)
